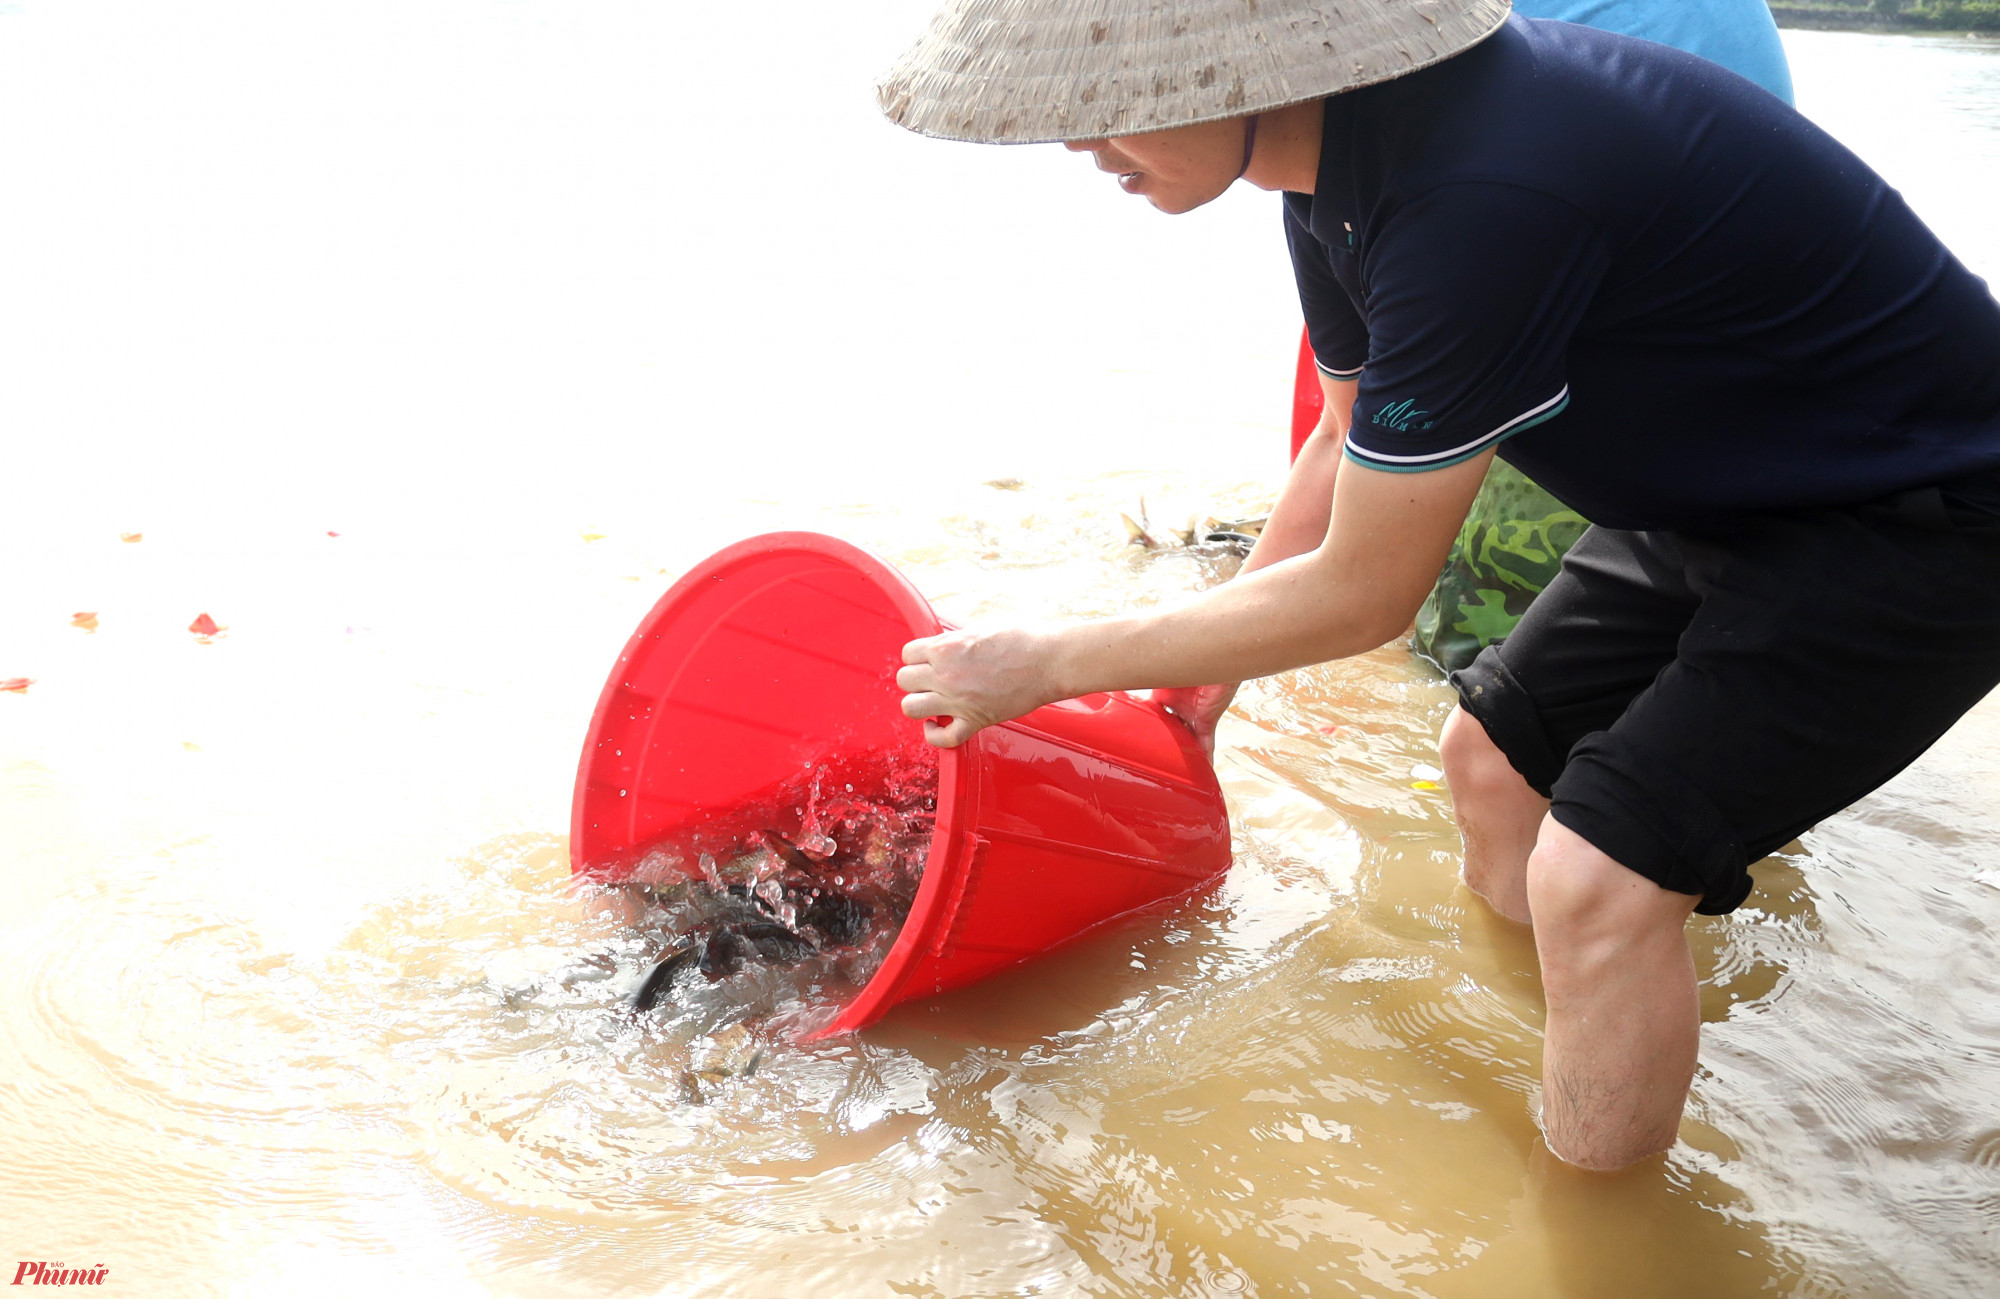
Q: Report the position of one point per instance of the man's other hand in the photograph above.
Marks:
(1199, 707)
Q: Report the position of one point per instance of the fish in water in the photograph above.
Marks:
(1248, 528)
(731, 1052)
(1237, 535)
(829, 907)
(1238, 542)
(719, 949)
(787, 852)
(661, 976)
(839, 918)
(727, 946)
(1211, 536)
(719, 953)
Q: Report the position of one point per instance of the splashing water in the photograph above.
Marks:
(764, 941)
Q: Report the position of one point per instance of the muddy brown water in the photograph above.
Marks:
(1316, 1079)
(265, 895)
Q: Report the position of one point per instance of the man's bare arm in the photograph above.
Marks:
(1298, 523)
(1299, 519)
(1357, 589)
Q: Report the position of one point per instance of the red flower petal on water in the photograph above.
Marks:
(87, 621)
(204, 626)
(19, 685)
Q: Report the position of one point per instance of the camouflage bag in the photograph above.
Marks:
(1512, 543)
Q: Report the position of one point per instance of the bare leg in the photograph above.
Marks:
(1624, 1022)
(1499, 814)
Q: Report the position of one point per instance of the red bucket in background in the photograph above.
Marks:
(1308, 398)
(777, 656)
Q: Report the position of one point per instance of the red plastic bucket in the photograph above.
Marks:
(1308, 398)
(777, 656)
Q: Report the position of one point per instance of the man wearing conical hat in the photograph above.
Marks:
(1669, 299)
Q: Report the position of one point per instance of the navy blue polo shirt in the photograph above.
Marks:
(1667, 296)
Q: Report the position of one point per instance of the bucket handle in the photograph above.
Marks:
(974, 849)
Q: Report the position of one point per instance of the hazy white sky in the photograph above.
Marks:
(462, 254)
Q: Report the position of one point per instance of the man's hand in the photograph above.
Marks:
(1199, 707)
(972, 680)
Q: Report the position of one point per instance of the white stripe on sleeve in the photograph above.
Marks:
(1549, 407)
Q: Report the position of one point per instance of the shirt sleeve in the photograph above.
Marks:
(1339, 339)
(1474, 291)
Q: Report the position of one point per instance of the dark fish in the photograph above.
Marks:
(723, 956)
(729, 945)
(787, 852)
(840, 918)
(661, 976)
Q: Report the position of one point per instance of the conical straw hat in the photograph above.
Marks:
(1034, 71)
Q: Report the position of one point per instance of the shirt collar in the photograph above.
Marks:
(1328, 209)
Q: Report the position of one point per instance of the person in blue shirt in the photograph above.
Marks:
(1687, 312)
(1740, 35)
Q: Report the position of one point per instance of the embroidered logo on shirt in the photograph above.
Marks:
(1402, 416)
